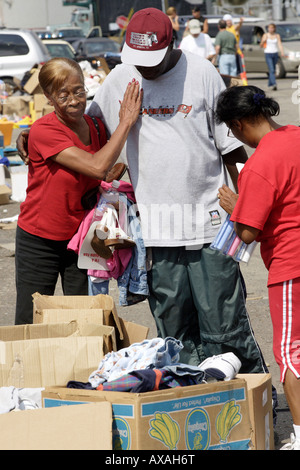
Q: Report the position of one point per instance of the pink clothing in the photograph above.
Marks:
(120, 259)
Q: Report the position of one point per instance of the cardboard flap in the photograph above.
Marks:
(62, 428)
(59, 330)
(48, 361)
(101, 301)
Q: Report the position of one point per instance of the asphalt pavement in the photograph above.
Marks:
(254, 273)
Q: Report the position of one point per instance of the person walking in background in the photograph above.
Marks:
(196, 12)
(272, 45)
(235, 29)
(226, 49)
(172, 14)
(266, 209)
(198, 43)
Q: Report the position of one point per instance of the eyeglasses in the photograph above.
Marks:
(79, 95)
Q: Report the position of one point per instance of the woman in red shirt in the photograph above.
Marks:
(66, 159)
(267, 209)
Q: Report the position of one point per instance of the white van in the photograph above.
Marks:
(19, 51)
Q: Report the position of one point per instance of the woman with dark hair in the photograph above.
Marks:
(67, 158)
(267, 209)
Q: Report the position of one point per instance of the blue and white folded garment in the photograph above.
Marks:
(154, 353)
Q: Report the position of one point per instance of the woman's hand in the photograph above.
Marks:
(131, 104)
(22, 145)
(227, 198)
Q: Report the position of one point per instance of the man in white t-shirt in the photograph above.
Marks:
(177, 157)
(198, 43)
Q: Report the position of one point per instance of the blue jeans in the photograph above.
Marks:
(96, 288)
(271, 59)
(227, 65)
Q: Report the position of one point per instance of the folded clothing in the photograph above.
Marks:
(147, 380)
(155, 353)
(12, 399)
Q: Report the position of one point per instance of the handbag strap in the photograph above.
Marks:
(96, 125)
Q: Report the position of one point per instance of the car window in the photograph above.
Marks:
(246, 34)
(100, 47)
(12, 45)
(288, 32)
(60, 50)
(71, 33)
(213, 29)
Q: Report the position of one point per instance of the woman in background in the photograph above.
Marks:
(272, 45)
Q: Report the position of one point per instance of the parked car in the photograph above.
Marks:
(70, 34)
(251, 34)
(92, 48)
(20, 50)
(59, 48)
(213, 21)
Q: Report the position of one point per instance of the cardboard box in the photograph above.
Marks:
(39, 100)
(261, 410)
(42, 362)
(84, 309)
(32, 85)
(52, 355)
(60, 330)
(5, 193)
(64, 428)
(18, 105)
(47, 109)
(192, 417)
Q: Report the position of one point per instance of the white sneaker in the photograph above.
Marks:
(293, 445)
(221, 367)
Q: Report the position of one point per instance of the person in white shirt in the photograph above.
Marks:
(197, 42)
(177, 158)
(271, 43)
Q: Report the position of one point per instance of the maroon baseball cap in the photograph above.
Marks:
(148, 36)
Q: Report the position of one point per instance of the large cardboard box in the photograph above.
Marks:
(64, 428)
(261, 409)
(60, 330)
(51, 355)
(32, 85)
(197, 417)
(18, 105)
(85, 309)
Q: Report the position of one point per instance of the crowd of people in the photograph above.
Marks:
(167, 116)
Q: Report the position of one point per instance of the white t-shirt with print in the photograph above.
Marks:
(201, 45)
(174, 150)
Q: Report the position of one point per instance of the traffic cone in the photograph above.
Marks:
(243, 74)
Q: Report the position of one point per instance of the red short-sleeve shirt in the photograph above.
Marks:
(52, 208)
(269, 200)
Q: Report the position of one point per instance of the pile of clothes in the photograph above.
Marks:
(154, 365)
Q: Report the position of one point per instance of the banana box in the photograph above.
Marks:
(196, 417)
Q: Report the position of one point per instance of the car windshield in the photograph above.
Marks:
(288, 32)
(71, 33)
(60, 50)
(94, 48)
